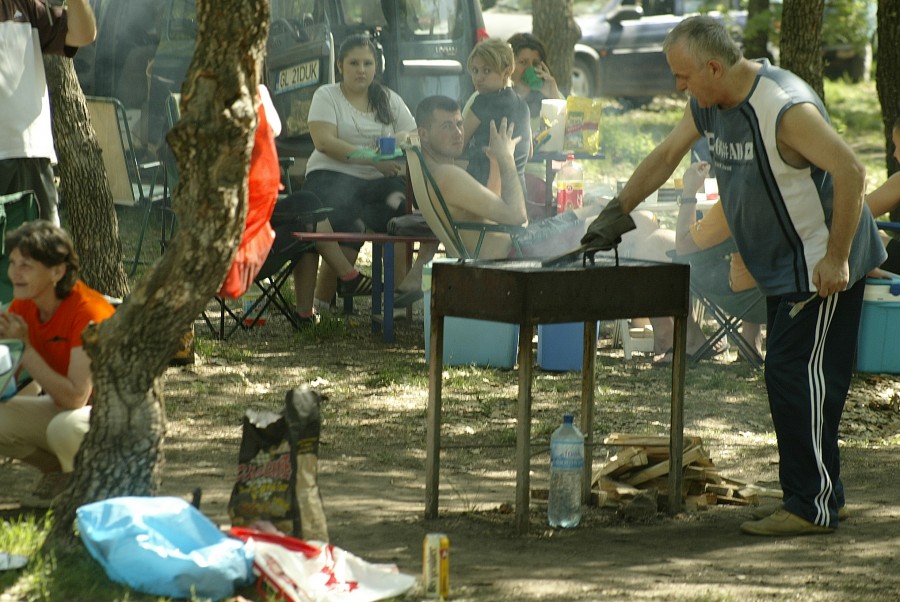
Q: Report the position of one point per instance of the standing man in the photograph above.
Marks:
(29, 28)
(792, 191)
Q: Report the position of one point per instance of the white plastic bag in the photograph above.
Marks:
(315, 571)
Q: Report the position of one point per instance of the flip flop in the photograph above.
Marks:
(11, 562)
(665, 359)
(711, 352)
(408, 298)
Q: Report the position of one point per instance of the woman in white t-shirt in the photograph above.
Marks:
(346, 120)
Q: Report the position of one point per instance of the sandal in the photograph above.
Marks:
(663, 359)
(719, 348)
(360, 286)
(408, 298)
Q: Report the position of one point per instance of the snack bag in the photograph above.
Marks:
(277, 478)
(582, 125)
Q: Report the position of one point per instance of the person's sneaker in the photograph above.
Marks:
(50, 486)
(304, 322)
(360, 286)
(782, 522)
(764, 511)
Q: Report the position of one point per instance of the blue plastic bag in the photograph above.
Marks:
(164, 546)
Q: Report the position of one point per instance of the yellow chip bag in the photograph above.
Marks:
(582, 125)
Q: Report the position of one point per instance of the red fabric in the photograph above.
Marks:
(263, 186)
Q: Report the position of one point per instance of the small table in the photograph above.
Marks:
(526, 293)
(549, 173)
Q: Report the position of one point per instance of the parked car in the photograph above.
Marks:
(144, 48)
(619, 53)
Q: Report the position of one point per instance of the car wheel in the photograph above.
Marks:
(583, 83)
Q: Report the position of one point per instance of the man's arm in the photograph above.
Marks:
(464, 192)
(804, 137)
(886, 197)
(659, 165)
(81, 26)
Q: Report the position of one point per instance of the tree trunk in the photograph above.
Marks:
(801, 41)
(84, 188)
(122, 451)
(887, 76)
(554, 23)
(756, 34)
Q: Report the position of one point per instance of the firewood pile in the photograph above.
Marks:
(640, 467)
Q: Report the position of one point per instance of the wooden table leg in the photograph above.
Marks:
(523, 429)
(589, 355)
(676, 421)
(433, 418)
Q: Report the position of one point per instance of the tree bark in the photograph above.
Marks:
(801, 41)
(554, 24)
(887, 76)
(84, 187)
(756, 34)
(122, 452)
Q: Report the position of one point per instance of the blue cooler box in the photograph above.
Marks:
(560, 346)
(879, 344)
(467, 341)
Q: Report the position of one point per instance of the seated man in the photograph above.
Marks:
(440, 128)
(44, 424)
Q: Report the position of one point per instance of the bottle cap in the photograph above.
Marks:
(570, 157)
(568, 419)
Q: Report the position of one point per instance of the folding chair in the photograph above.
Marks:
(728, 309)
(273, 274)
(15, 210)
(440, 220)
(132, 183)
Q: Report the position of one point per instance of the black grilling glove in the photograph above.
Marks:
(606, 231)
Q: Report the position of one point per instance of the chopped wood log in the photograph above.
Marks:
(616, 489)
(690, 455)
(628, 458)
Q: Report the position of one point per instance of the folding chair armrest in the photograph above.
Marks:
(890, 226)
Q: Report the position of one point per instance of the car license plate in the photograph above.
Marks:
(297, 76)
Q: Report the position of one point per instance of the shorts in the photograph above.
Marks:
(357, 204)
(17, 175)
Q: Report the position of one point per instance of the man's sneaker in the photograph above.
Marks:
(782, 522)
(764, 511)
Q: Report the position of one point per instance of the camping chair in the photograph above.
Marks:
(15, 210)
(728, 309)
(132, 183)
(438, 217)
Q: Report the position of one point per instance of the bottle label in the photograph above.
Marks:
(567, 455)
(569, 195)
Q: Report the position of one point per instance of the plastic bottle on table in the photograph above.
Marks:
(570, 185)
(566, 472)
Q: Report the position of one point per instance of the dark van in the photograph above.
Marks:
(144, 48)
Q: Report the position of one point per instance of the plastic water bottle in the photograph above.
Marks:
(570, 185)
(566, 472)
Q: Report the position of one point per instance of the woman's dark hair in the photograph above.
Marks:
(50, 245)
(522, 41)
(379, 99)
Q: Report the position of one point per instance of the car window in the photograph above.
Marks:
(183, 20)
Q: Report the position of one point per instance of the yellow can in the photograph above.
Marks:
(436, 566)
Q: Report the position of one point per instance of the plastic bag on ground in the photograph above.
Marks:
(315, 571)
(163, 546)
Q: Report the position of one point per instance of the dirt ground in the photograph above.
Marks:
(372, 469)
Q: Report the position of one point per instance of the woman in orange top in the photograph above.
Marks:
(44, 424)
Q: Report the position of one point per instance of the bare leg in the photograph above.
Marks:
(305, 282)
(326, 284)
(753, 333)
(331, 252)
(413, 280)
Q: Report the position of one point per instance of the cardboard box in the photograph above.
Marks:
(878, 348)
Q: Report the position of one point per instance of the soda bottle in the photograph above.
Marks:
(570, 185)
(566, 472)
